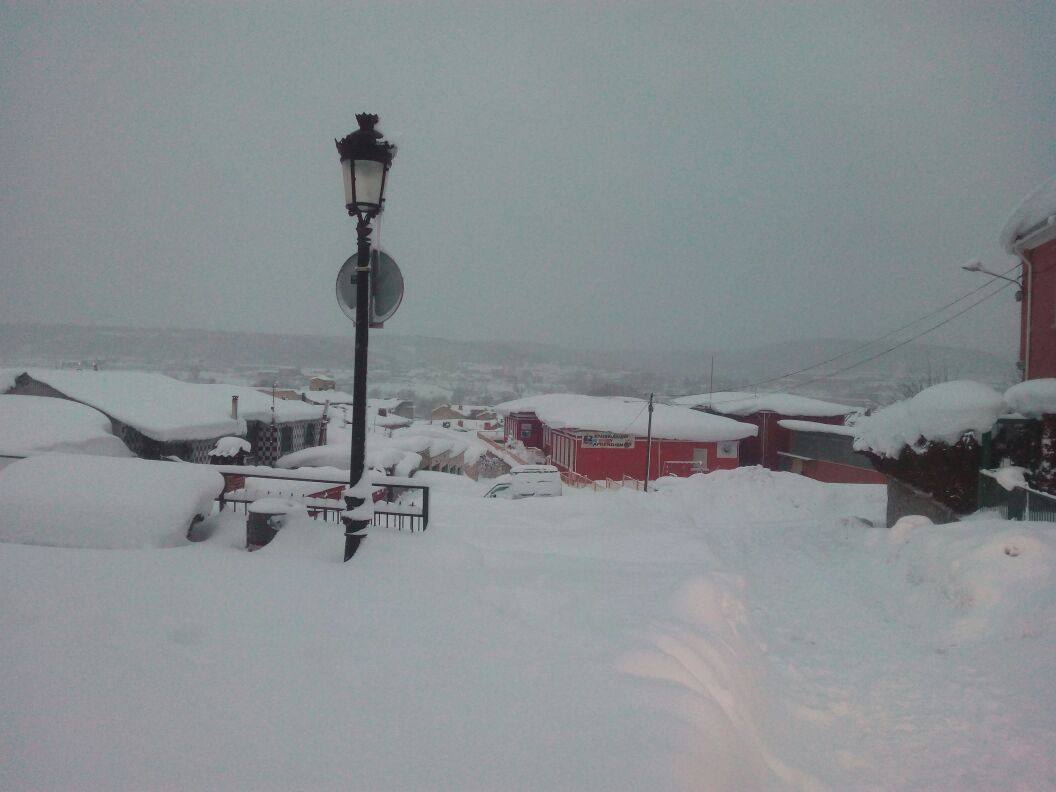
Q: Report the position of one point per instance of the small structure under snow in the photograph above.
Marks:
(75, 500)
(768, 412)
(158, 416)
(31, 425)
(605, 437)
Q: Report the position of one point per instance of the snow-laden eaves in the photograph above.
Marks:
(32, 425)
(1034, 212)
(1033, 398)
(741, 403)
(624, 415)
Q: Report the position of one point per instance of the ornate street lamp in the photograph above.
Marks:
(365, 162)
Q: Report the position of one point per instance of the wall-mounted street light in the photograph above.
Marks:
(365, 161)
(976, 266)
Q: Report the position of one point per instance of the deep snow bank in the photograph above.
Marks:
(981, 579)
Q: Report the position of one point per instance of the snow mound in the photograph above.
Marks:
(944, 412)
(628, 416)
(982, 579)
(1033, 211)
(1033, 398)
(750, 493)
(70, 500)
(35, 424)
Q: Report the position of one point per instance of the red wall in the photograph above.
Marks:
(615, 463)
(763, 448)
(516, 421)
(1042, 361)
(835, 473)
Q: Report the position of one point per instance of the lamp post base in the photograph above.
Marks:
(355, 533)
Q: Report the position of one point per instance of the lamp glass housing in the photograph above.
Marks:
(364, 183)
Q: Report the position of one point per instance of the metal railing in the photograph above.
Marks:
(577, 480)
(398, 502)
(1018, 503)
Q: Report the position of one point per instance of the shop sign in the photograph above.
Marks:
(606, 440)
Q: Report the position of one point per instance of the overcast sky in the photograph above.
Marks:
(590, 174)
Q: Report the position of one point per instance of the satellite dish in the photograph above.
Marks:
(386, 286)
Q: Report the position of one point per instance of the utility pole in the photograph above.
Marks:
(649, 444)
(711, 377)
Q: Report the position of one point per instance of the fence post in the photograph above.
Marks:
(425, 508)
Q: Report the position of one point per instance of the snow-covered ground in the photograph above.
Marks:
(743, 630)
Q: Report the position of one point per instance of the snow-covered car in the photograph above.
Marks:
(527, 481)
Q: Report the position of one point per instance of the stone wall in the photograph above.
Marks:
(904, 500)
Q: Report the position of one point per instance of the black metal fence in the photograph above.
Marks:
(398, 503)
(1018, 503)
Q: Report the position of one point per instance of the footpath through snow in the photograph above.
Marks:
(740, 630)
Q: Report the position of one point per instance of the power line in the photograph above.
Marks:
(907, 341)
(870, 343)
(939, 310)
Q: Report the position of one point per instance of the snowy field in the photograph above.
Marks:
(744, 630)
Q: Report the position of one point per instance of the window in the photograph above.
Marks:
(526, 431)
(309, 435)
(287, 439)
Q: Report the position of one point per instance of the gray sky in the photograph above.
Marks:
(594, 175)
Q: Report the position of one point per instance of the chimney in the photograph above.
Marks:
(234, 407)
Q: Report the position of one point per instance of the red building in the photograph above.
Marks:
(606, 438)
(825, 452)
(1030, 236)
(766, 411)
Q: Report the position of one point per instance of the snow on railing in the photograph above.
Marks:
(1005, 491)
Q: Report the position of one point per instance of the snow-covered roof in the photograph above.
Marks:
(628, 416)
(323, 396)
(814, 426)
(944, 413)
(1032, 398)
(742, 403)
(74, 500)
(1034, 212)
(166, 409)
(32, 425)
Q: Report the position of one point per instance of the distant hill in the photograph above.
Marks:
(468, 368)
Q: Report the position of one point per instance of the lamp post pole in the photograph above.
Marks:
(354, 527)
(365, 161)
